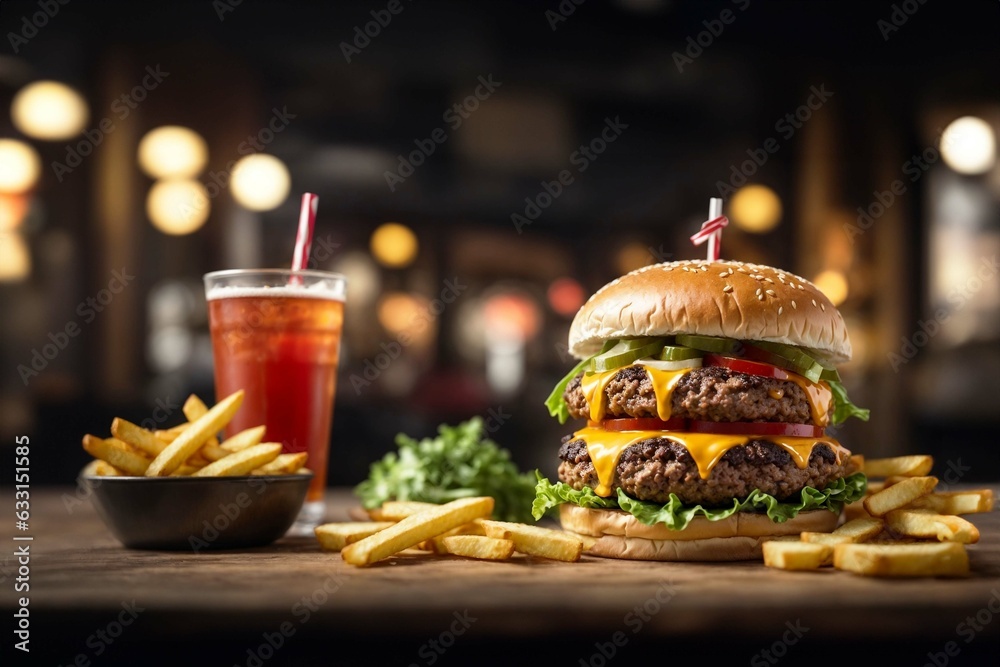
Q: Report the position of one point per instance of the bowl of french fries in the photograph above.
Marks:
(184, 488)
(903, 527)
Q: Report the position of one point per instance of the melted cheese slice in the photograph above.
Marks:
(606, 447)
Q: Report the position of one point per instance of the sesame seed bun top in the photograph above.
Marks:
(724, 298)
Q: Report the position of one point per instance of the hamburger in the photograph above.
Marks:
(707, 390)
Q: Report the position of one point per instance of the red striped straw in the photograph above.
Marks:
(304, 236)
(711, 229)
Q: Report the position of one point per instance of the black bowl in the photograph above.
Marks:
(198, 513)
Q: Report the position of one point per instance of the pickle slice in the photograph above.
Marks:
(624, 353)
(714, 344)
(790, 358)
(677, 353)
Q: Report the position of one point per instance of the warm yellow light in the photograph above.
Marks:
(15, 260)
(261, 182)
(172, 151)
(833, 284)
(632, 256)
(968, 145)
(13, 208)
(394, 245)
(177, 207)
(49, 110)
(398, 311)
(19, 166)
(755, 208)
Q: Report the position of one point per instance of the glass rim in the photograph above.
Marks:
(307, 273)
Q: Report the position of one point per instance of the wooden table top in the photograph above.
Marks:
(81, 577)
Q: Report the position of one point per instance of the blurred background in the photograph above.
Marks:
(482, 168)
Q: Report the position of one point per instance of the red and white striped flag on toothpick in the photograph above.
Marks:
(711, 229)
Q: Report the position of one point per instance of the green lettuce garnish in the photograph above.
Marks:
(676, 515)
(460, 462)
(843, 409)
(555, 403)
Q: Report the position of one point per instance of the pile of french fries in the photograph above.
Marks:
(901, 528)
(189, 449)
(459, 528)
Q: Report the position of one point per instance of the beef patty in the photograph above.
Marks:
(653, 469)
(712, 393)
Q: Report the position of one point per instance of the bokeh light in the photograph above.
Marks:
(632, 256)
(15, 259)
(260, 182)
(405, 313)
(49, 110)
(13, 209)
(20, 166)
(362, 275)
(172, 151)
(394, 245)
(755, 209)
(511, 316)
(565, 296)
(177, 207)
(968, 145)
(833, 284)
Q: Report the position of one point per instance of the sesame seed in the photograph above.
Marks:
(730, 270)
(769, 280)
(780, 309)
(704, 268)
(760, 297)
(822, 307)
(814, 302)
(759, 290)
(723, 274)
(757, 277)
(794, 306)
(769, 292)
(727, 288)
(741, 270)
(684, 268)
(799, 286)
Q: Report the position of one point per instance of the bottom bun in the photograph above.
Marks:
(618, 534)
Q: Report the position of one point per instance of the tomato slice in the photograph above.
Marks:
(755, 428)
(643, 424)
(748, 367)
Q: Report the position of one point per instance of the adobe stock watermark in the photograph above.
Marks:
(914, 168)
(898, 17)
(580, 159)
(697, 44)
(967, 629)
(121, 108)
(363, 36)
(32, 23)
(958, 297)
(634, 621)
(391, 350)
(779, 648)
(103, 638)
(228, 513)
(786, 126)
(87, 311)
(223, 7)
(454, 116)
(432, 650)
(562, 12)
(301, 612)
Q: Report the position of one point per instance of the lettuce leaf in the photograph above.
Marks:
(459, 462)
(676, 515)
(555, 403)
(843, 409)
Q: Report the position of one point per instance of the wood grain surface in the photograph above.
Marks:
(81, 577)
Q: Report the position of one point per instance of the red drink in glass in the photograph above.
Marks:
(276, 335)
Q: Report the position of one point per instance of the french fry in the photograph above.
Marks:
(926, 523)
(99, 468)
(243, 439)
(536, 541)
(943, 559)
(956, 502)
(874, 487)
(129, 462)
(397, 510)
(283, 464)
(194, 408)
(140, 438)
(899, 495)
(856, 530)
(168, 435)
(856, 510)
(471, 528)
(241, 463)
(336, 536)
(416, 528)
(796, 555)
(907, 466)
(193, 437)
(474, 546)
